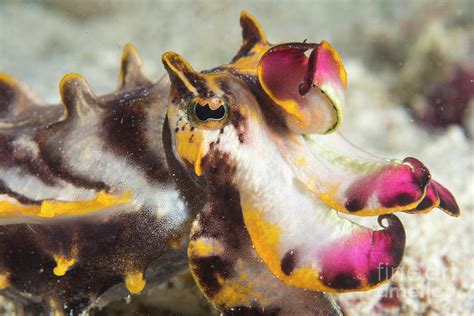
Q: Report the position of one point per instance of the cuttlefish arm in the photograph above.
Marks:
(230, 273)
(309, 90)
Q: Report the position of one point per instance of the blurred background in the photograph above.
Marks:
(410, 68)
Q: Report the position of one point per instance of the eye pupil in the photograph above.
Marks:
(205, 113)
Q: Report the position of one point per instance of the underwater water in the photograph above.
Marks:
(410, 68)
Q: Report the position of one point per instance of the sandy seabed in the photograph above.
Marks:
(384, 45)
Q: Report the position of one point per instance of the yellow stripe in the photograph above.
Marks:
(52, 208)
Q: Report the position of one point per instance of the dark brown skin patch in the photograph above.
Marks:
(219, 169)
(425, 204)
(238, 120)
(208, 269)
(240, 124)
(223, 200)
(382, 273)
(342, 281)
(221, 219)
(404, 199)
(288, 262)
(118, 106)
(123, 132)
(355, 204)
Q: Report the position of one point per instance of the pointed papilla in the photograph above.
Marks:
(14, 96)
(184, 77)
(252, 35)
(77, 96)
(251, 31)
(131, 72)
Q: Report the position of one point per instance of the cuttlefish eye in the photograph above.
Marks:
(206, 113)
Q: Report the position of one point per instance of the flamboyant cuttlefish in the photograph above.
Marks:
(103, 191)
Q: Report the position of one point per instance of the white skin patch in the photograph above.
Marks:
(27, 144)
(88, 156)
(33, 188)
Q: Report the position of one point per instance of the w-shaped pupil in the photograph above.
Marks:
(205, 113)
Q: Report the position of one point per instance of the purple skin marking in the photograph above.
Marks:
(366, 257)
(322, 69)
(284, 68)
(394, 186)
(286, 65)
